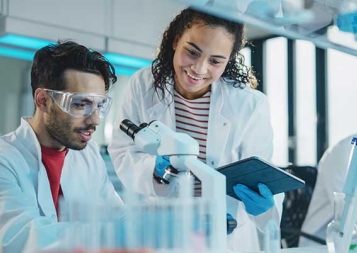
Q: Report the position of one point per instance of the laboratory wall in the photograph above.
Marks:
(134, 28)
(295, 94)
(130, 27)
(342, 90)
(14, 92)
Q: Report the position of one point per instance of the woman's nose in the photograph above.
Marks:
(199, 67)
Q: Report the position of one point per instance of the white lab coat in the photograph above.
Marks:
(239, 127)
(28, 220)
(331, 170)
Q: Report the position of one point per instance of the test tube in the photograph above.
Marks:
(272, 237)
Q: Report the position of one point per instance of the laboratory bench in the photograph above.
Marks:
(316, 249)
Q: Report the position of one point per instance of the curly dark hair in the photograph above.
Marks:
(236, 72)
(51, 62)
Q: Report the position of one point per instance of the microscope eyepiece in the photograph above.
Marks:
(130, 128)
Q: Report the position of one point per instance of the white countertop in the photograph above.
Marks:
(317, 249)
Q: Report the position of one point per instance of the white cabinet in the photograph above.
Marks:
(131, 27)
(87, 16)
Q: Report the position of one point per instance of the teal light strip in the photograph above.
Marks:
(16, 53)
(127, 61)
(123, 71)
(28, 56)
(23, 41)
(124, 65)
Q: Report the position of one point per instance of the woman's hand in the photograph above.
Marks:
(255, 203)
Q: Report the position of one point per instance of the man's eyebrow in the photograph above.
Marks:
(199, 49)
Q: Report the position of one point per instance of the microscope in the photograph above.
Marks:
(156, 138)
(349, 215)
(341, 241)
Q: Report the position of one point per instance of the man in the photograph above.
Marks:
(51, 153)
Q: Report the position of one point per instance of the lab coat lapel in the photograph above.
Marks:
(218, 127)
(45, 200)
(163, 111)
(44, 194)
(74, 180)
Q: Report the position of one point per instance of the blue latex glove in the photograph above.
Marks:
(254, 202)
(161, 163)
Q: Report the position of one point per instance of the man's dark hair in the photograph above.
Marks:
(236, 72)
(51, 62)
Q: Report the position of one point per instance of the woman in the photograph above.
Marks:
(199, 85)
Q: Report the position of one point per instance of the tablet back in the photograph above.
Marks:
(254, 170)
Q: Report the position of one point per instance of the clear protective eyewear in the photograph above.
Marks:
(81, 105)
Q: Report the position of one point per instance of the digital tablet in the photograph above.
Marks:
(254, 170)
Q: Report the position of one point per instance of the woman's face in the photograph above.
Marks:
(201, 55)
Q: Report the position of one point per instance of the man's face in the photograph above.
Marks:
(65, 130)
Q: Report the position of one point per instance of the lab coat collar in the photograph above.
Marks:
(28, 137)
(163, 109)
(218, 125)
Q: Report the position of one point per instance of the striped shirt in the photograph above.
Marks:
(192, 119)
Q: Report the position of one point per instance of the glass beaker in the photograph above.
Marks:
(334, 241)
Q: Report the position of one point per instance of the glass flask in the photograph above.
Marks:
(333, 235)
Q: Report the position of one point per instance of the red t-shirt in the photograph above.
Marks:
(53, 161)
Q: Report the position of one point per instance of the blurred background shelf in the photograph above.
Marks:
(326, 23)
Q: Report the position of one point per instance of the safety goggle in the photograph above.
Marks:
(81, 105)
